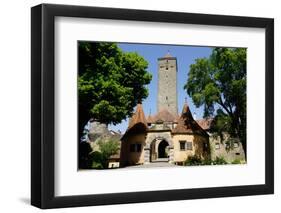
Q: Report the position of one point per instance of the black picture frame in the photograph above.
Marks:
(43, 102)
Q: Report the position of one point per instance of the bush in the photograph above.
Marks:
(107, 148)
(236, 161)
(96, 165)
(219, 161)
(193, 161)
(196, 160)
(207, 162)
(97, 160)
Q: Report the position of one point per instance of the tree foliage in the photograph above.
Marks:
(218, 83)
(110, 83)
(100, 158)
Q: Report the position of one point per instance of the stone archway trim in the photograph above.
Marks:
(158, 135)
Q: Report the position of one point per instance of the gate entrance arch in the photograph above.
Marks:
(158, 145)
(162, 149)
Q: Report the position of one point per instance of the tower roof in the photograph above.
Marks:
(186, 123)
(137, 123)
(168, 55)
(138, 117)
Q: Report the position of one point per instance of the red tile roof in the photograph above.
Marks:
(164, 115)
(186, 123)
(137, 122)
(205, 123)
(138, 117)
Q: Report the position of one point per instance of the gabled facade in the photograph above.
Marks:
(163, 137)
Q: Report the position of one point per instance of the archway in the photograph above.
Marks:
(162, 149)
(151, 150)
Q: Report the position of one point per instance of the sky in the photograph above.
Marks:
(185, 55)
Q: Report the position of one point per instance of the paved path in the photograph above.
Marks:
(152, 165)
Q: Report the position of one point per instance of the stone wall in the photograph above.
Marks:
(167, 85)
(228, 148)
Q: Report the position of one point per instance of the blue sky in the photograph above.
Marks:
(185, 55)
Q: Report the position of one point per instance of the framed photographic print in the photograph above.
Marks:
(139, 106)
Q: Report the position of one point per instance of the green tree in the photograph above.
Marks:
(219, 82)
(107, 148)
(110, 83)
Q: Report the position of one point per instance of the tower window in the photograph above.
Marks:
(166, 97)
(167, 67)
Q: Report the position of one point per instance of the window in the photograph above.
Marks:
(138, 147)
(217, 146)
(182, 145)
(167, 67)
(185, 145)
(135, 147)
(188, 145)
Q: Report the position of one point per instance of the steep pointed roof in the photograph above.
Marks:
(138, 117)
(186, 123)
(137, 123)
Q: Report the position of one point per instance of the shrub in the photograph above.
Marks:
(193, 161)
(97, 160)
(219, 161)
(236, 161)
(207, 162)
(107, 148)
(196, 160)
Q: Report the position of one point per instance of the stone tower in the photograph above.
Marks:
(167, 84)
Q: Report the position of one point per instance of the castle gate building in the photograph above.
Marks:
(165, 136)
